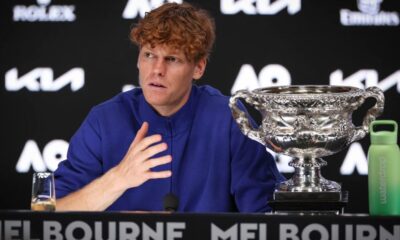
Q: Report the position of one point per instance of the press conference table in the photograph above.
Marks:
(24, 224)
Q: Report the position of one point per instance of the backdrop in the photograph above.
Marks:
(60, 58)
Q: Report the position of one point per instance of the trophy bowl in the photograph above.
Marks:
(306, 122)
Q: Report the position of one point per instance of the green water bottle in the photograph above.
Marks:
(384, 170)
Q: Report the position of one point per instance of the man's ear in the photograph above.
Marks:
(138, 56)
(199, 68)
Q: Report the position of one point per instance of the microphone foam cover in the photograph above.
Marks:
(171, 202)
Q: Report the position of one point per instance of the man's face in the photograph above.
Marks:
(166, 76)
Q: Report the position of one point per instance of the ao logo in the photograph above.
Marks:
(135, 7)
(270, 75)
(42, 79)
(262, 7)
(355, 159)
(54, 152)
(366, 78)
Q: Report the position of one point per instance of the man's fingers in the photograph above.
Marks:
(161, 174)
(141, 133)
(153, 150)
(151, 163)
(147, 141)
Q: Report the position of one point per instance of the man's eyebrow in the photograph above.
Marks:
(172, 55)
(176, 54)
(146, 49)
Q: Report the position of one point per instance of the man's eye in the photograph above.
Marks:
(148, 55)
(171, 59)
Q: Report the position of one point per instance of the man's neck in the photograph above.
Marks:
(167, 111)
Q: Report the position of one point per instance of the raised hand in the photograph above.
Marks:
(135, 168)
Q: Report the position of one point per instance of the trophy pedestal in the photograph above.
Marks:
(330, 203)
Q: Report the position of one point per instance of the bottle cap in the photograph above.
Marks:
(385, 136)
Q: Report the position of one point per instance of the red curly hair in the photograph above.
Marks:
(179, 26)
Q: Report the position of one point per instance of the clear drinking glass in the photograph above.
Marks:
(43, 192)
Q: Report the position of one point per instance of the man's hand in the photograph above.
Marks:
(135, 168)
(132, 171)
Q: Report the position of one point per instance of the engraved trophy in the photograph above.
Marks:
(307, 122)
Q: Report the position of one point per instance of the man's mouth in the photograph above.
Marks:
(157, 85)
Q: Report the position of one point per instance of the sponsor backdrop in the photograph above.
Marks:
(60, 58)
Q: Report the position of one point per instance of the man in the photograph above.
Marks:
(167, 137)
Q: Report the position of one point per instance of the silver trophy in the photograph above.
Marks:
(306, 122)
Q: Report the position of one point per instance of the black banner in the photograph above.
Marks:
(114, 225)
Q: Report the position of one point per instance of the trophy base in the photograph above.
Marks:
(314, 203)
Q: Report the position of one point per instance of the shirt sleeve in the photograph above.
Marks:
(254, 173)
(83, 163)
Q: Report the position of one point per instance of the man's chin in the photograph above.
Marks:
(156, 102)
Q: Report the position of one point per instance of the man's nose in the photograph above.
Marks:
(159, 67)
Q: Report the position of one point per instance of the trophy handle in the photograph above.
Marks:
(372, 113)
(241, 117)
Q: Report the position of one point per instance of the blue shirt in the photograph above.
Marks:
(215, 168)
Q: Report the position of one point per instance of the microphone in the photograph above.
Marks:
(171, 202)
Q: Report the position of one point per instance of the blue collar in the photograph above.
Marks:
(172, 125)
